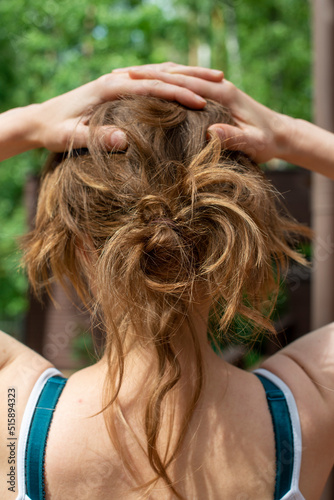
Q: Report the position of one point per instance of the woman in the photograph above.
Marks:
(152, 238)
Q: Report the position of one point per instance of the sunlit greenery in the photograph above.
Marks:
(50, 46)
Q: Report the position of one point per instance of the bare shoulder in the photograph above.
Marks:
(20, 367)
(18, 362)
(9, 348)
(307, 367)
(312, 357)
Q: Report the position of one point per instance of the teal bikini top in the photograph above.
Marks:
(43, 413)
(38, 434)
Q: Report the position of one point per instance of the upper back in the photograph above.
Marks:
(229, 447)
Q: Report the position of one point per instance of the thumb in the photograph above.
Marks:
(112, 137)
(115, 138)
(231, 137)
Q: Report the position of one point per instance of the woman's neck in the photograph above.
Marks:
(141, 361)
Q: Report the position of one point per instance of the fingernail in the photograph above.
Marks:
(200, 99)
(118, 140)
(216, 130)
(217, 72)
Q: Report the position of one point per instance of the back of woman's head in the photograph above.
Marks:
(144, 233)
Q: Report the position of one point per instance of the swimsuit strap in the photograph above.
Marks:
(38, 433)
(284, 443)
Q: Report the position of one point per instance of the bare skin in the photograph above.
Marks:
(229, 451)
(232, 420)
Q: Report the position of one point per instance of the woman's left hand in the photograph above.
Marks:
(63, 121)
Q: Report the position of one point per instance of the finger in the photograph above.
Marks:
(75, 139)
(111, 137)
(199, 72)
(212, 75)
(172, 92)
(114, 88)
(127, 68)
(115, 139)
(209, 89)
(156, 67)
(231, 137)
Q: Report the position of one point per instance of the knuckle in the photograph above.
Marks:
(104, 79)
(150, 87)
(184, 92)
(230, 86)
(156, 83)
(65, 136)
(103, 83)
(228, 91)
(231, 89)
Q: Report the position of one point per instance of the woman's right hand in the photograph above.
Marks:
(260, 132)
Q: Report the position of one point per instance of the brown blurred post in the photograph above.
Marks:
(36, 314)
(322, 310)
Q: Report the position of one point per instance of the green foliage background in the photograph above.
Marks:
(50, 46)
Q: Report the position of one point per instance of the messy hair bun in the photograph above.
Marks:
(173, 216)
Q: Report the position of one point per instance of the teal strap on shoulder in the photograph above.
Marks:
(38, 433)
(283, 436)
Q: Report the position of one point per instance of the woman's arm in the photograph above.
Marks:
(259, 131)
(14, 352)
(64, 120)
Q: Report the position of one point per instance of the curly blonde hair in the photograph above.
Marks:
(173, 215)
